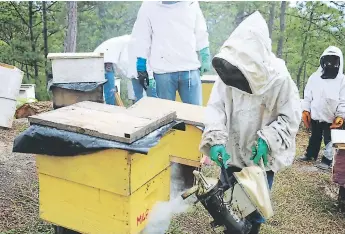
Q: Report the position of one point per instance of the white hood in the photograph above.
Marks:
(249, 49)
(236, 119)
(333, 50)
(112, 48)
(325, 98)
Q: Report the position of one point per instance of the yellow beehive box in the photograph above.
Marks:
(110, 191)
(113, 170)
(189, 154)
(91, 210)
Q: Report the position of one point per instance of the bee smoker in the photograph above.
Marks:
(211, 196)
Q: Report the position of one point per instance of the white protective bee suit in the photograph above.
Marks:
(171, 35)
(325, 98)
(118, 50)
(237, 119)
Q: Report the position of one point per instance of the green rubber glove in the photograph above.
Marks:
(205, 60)
(152, 83)
(219, 150)
(260, 152)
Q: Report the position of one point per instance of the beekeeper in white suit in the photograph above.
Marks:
(172, 34)
(254, 110)
(119, 52)
(324, 104)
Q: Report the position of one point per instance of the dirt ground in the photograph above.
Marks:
(304, 198)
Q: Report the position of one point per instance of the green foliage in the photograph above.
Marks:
(310, 28)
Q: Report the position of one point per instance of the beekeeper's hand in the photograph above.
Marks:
(143, 76)
(337, 123)
(306, 119)
(219, 152)
(261, 151)
(152, 83)
(205, 60)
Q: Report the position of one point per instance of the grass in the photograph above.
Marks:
(304, 201)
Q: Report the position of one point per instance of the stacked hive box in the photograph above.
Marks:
(109, 191)
(71, 73)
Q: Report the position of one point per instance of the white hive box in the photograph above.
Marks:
(77, 67)
(10, 79)
(27, 91)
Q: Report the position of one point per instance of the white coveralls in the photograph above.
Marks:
(273, 112)
(325, 100)
(118, 51)
(170, 35)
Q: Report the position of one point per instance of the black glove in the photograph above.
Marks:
(143, 78)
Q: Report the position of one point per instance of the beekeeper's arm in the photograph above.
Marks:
(202, 43)
(281, 133)
(201, 33)
(142, 32)
(308, 95)
(215, 132)
(341, 106)
(340, 112)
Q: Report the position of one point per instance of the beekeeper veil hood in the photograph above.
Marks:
(331, 63)
(246, 61)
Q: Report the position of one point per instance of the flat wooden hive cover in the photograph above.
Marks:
(190, 114)
(105, 121)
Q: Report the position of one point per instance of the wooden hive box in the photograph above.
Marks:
(338, 169)
(193, 116)
(110, 191)
(77, 67)
(66, 97)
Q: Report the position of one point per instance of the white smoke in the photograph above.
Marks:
(162, 213)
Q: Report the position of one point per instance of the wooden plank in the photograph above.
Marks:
(340, 146)
(116, 124)
(190, 114)
(96, 106)
(184, 161)
(74, 55)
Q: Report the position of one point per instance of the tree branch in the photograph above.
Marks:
(21, 17)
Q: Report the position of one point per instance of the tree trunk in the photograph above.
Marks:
(32, 40)
(271, 21)
(304, 77)
(282, 29)
(71, 35)
(45, 37)
(310, 21)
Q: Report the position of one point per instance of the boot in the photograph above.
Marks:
(323, 166)
(255, 228)
(305, 159)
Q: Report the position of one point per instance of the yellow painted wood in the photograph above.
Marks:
(91, 210)
(145, 167)
(185, 144)
(143, 200)
(99, 169)
(184, 161)
(206, 92)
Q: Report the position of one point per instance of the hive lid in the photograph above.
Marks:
(74, 55)
(105, 121)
